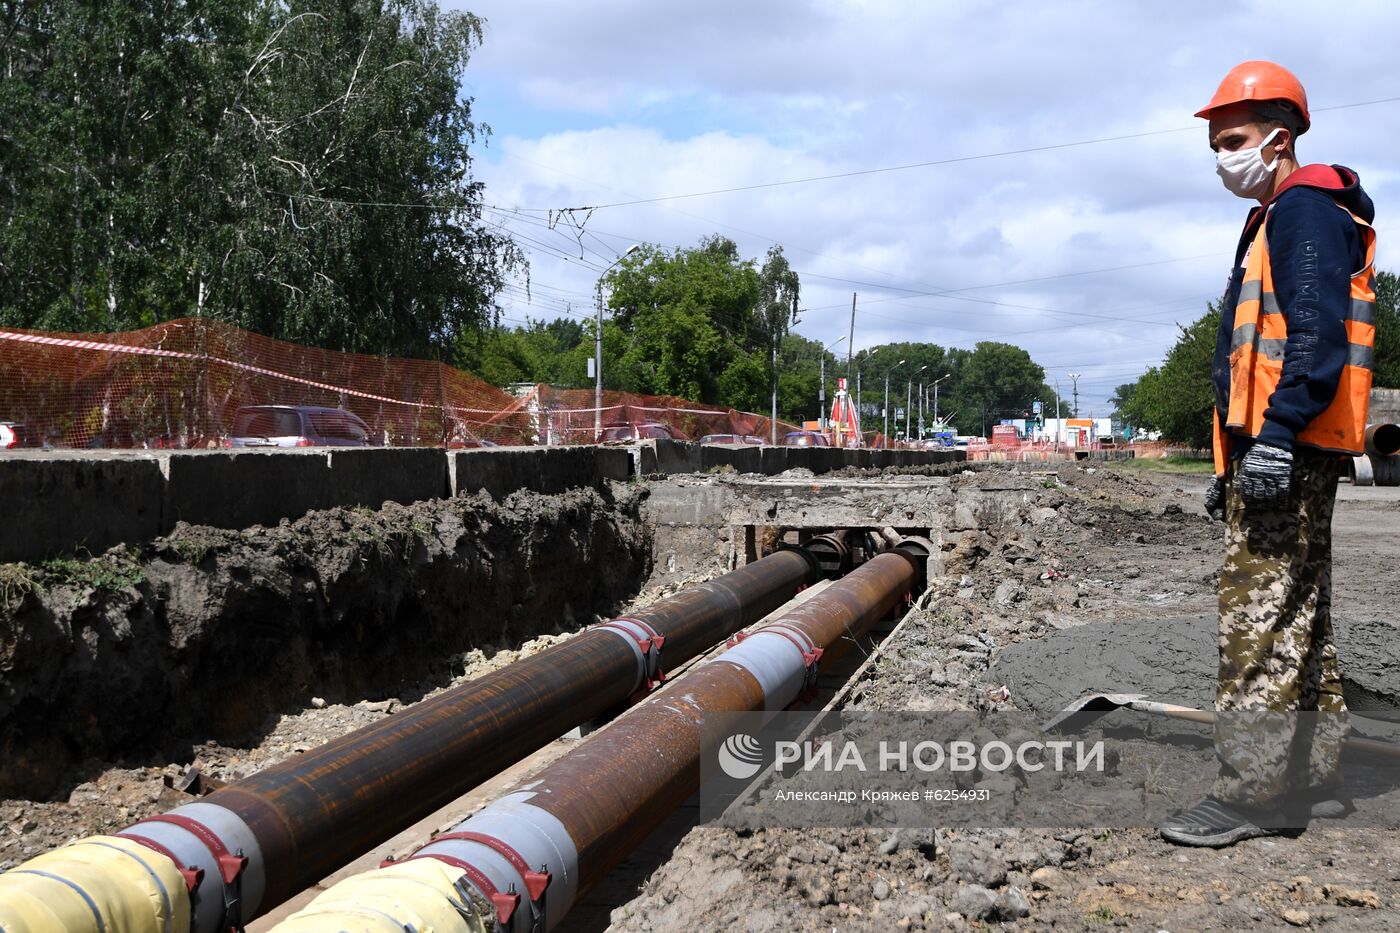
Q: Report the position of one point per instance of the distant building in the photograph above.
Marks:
(1075, 432)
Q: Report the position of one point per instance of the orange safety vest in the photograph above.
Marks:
(1256, 357)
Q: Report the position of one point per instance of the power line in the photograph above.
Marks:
(935, 162)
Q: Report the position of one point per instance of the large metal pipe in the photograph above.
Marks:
(251, 845)
(1383, 439)
(524, 860)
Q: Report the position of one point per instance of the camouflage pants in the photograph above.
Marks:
(1280, 719)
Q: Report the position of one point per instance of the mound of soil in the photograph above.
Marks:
(139, 654)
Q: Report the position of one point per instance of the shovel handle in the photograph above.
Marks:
(1360, 743)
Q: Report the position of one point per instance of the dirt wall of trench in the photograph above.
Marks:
(139, 653)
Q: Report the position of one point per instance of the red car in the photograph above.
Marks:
(805, 439)
(299, 426)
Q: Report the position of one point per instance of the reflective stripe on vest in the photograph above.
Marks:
(1257, 349)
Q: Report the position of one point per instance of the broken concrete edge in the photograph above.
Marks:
(66, 502)
(672, 457)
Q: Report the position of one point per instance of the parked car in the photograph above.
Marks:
(298, 426)
(805, 439)
(13, 434)
(731, 439)
(628, 432)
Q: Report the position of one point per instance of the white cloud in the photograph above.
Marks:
(670, 99)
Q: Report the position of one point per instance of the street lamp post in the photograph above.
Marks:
(1059, 425)
(860, 399)
(909, 405)
(935, 397)
(888, 373)
(821, 390)
(923, 401)
(598, 347)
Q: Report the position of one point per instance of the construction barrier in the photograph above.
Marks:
(180, 385)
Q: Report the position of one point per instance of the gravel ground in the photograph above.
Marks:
(1090, 546)
(1024, 556)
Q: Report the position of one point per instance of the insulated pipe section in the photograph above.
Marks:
(100, 884)
(251, 845)
(832, 551)
(1382, 440)
(530, 855)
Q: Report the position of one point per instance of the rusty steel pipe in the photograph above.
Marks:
(278, 832)
(832, 551)
(1382, 440)
(533, 853)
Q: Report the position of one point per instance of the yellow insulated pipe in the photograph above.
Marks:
(102, 884)
(424, 895)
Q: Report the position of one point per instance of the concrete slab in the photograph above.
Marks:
(56, 504)
(502, 470)
(614, 463)
(374, 475)
(239, 488)
(676, 456)
(774, 460)
(740, 458)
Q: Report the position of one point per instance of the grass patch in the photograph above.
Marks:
(114, 570)
(1100, 916)
(1171, 464)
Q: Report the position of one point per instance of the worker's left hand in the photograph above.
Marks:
(1264, 475)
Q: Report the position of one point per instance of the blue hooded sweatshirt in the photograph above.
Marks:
(1302, 221)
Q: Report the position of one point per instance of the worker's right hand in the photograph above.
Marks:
(1215, 499)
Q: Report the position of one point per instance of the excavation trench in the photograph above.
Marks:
(140, 656)
(565, 541)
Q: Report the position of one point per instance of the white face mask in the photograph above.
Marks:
(1244, 172)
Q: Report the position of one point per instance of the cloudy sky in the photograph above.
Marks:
(1026, 172)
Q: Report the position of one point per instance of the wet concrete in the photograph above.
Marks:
(1174, 660)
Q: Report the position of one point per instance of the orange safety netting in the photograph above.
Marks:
(566, 416)
(180, 384)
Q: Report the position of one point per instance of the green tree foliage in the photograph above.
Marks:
(799, 375)
(1177, 398)
(248, 160)
(536, 352)
(985, 384)
(684, 321)
(1000, 380)
(1387, 330)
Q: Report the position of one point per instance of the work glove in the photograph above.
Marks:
(1263, 476)
(1215, 499)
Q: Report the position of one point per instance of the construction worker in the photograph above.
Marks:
(1292, 376)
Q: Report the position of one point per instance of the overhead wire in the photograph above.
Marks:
(953, 160)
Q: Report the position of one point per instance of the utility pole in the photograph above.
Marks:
(821, 391)
(936, 422)
(1075, 377)
(1059, 423)
(923, 398)
(598, 348)
(860, 399)
(908, 410)
(909, 405)
(773, 420)
(887, 398)
(851, 347)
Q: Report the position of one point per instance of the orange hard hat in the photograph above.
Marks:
(1260, 81)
